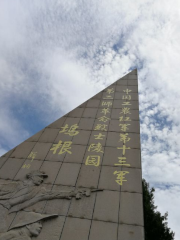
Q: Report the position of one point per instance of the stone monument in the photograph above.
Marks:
(80, 177)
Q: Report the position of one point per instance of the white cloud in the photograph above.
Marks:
(53, 51)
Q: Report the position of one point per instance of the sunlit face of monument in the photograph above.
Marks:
(92, 151)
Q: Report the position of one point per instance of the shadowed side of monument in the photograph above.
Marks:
(85, 168)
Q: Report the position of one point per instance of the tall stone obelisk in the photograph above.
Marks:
(83, 172)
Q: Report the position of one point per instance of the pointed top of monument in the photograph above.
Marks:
(91, 152)
(77, 112)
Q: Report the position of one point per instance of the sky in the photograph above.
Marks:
(56, 54)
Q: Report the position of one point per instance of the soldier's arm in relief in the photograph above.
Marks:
(49, 195)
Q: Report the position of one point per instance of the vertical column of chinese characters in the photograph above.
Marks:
(58, 148)
(124, 124)
(65, 147)
(31, 156)
(101, 126)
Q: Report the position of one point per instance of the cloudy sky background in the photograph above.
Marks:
(55, 54)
